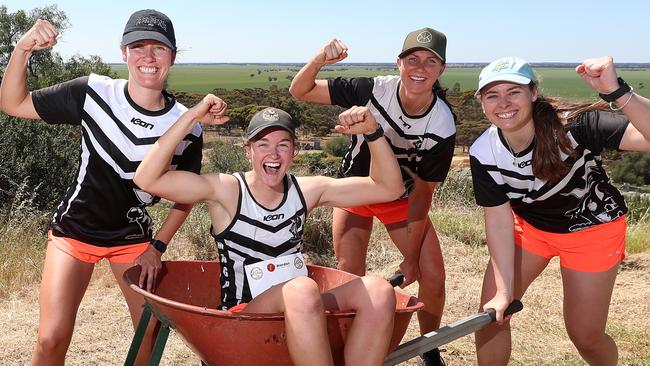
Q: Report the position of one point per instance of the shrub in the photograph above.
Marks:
(316, 164)
(337, 146)
(633, 168)
(227, 157)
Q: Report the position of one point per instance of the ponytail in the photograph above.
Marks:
(550, 140)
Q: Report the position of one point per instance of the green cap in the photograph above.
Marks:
(425, 39)
(267, 118)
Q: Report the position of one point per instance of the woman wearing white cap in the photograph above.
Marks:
(103, 213)
(537, 172)
(259, 215)
(420, 128)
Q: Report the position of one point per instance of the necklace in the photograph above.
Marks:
(515, 156)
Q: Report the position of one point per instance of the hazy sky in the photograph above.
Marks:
(292, 31)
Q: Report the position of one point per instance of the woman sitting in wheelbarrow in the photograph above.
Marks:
(259, 215)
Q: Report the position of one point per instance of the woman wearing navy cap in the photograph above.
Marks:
(537, 171)
(103, 213)
(258, 218)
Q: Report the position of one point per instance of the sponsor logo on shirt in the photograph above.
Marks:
(141, 123)
(273, 217)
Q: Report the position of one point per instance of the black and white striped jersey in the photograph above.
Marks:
(582, 198)
(423, 144)
(103, 206)
(257, 233)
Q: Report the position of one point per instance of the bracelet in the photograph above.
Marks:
(623, 88)
(159, 245)
(370, 137)
(613, 106)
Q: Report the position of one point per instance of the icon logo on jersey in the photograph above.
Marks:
(270, 267)
(141, 123)
(139, 216)
(296, 228)
(418, 143)
(270, 115)
(273, 217)
(524, 164)
(404, 123)
(424, 37)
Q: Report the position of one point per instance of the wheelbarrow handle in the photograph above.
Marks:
(514, 307)
(446, 334)
(396, 279)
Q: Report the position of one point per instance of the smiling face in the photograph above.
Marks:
(509, 106)
(271, 155)
(419, 70)
(148, 62)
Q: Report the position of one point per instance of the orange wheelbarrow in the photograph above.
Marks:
(186, 298)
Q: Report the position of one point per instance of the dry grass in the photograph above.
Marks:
(103, 331)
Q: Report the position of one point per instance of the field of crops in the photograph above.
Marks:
(202, 78)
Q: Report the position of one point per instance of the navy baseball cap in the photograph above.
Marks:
(149, 24)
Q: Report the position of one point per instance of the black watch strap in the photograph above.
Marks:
(159, 245)
(379, 132)
(623, 88)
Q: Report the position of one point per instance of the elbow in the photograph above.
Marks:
(141, 181)
(294, 92)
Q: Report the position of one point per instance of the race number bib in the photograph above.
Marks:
(262, 275)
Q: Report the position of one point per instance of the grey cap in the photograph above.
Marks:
(267, 118)
(426, 39)
(149, 24)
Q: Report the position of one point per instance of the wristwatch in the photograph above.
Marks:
(623, 88)
(379, 132)
(159, 245)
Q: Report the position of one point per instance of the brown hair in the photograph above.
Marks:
(551, 137)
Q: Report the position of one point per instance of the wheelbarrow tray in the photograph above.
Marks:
(188, 293)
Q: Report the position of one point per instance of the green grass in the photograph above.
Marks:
(202, 78)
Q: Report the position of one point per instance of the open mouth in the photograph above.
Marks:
(271, 167)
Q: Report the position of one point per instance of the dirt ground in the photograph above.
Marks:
(103, 331)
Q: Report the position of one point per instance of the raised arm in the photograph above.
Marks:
(600, 74)
(15, 98)
(304, 85)
(153, 174)
(385, 181)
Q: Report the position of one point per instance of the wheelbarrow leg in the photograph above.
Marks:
(161, 339)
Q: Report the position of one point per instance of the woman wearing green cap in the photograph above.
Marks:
(420, 128)
(103, 213)
(259, 215)
(537, 171)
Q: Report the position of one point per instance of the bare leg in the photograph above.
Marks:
(135, 303)
(586, 303)
(373, 299)
(350, 236)
(493, 343)
(431, 283)
(304, 319)
(64, 284)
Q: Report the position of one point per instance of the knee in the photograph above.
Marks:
(302, 295)
(381, 296)
(585, 339)
(52, 343)
(432, 277)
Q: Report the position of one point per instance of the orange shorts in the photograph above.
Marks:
(595, 249)
(92, 254)
(387, 212)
